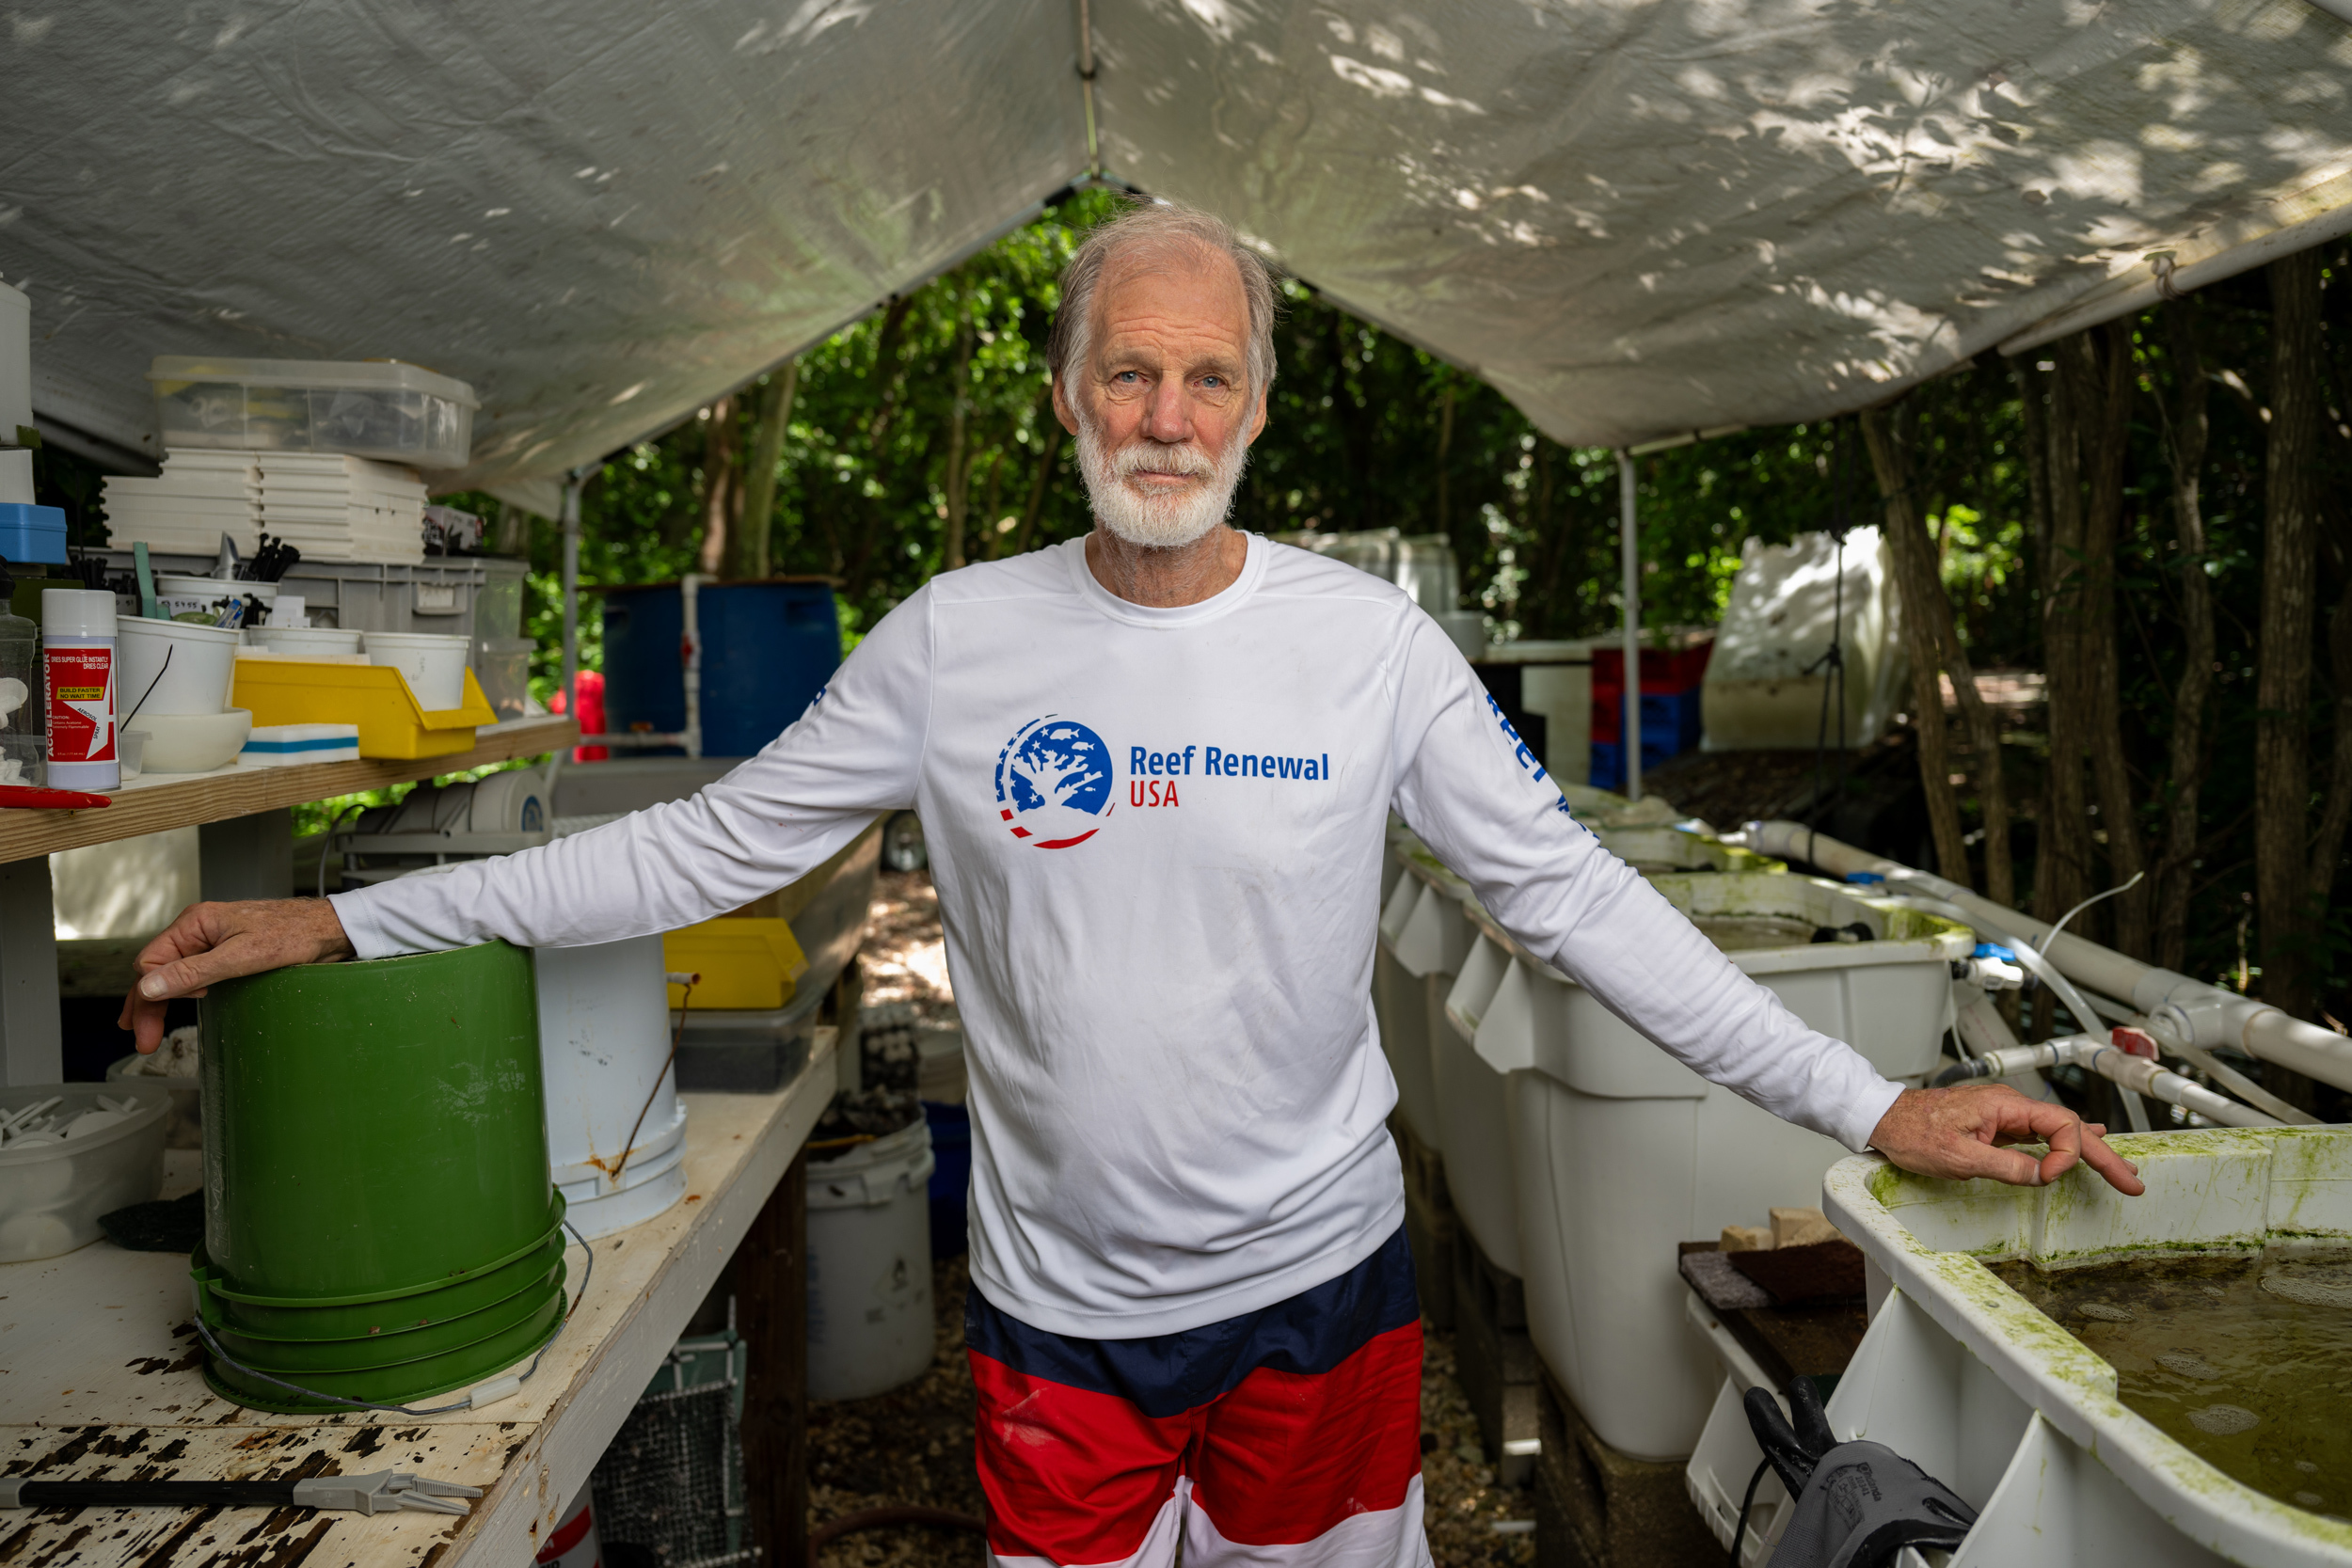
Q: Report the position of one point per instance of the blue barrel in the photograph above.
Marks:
(767, 648)
(951, 1175)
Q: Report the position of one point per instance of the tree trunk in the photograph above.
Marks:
(719, 485)
(2335, 813)
(2062, 872)
(1047, 453)
(2282, 681)
(1445, 455)
(1921, 594)
(749, 557)
(959, 478)
(2186, 432)
(2107, 402)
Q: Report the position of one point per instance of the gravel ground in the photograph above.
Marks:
(915, 1445)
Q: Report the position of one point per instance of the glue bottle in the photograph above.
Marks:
(77, 646)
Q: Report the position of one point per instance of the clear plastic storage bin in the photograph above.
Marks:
(383, 409)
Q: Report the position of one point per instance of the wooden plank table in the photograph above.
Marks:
(154, 802)
(99, 1380)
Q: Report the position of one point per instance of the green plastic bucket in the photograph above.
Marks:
(376, 1159)
(398, 1383)
(288, 1356)
(270, 1317)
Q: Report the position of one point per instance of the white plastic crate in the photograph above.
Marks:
(1618, 1152)
(1969, 1380)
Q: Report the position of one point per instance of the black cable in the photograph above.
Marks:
(1740, 1531)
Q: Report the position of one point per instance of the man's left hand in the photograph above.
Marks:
(1963, 1131)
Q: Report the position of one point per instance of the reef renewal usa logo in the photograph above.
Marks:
(1054, 783)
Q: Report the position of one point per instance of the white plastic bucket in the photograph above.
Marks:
(295, 642)
(1620, 1152)
(203, 665)
(604, 1047)
(1964, 1377)
(869, 1266)
(433, 664)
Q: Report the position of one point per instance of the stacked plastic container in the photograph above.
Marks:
(1671, 720)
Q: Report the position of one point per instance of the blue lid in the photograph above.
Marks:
(1865, 878)
(32, 535)
(1994, 950)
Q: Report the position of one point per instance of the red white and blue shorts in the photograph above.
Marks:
(1288, 1437)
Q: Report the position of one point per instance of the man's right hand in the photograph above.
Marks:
(220, 941)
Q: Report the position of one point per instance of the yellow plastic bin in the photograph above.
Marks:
(747, 965)
(374, 697)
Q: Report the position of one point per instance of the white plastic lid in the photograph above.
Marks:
(358, 374)
(77, 612)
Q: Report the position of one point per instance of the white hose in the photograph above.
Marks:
(2180, 1012)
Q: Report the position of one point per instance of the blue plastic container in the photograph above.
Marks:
(32, 535)
(951, 1176)
(767, 647)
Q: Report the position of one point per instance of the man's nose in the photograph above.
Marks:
(1167, 416)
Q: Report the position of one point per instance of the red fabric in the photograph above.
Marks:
(1077, 1477)
(591, 713)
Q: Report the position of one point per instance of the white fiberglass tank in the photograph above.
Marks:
(604, 1045)
(2175, 1402)
(1620, 1151)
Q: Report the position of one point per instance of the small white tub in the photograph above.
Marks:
(604, 1046)
(435, 665)
(1965, 1378)
(1620, 1151)
(202, 664)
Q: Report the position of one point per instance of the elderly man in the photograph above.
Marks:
(1154, 766)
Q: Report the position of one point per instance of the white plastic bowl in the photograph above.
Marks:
(433, 664)
(298, 641)
(203, 665)
(192, 742)
(51, 1194)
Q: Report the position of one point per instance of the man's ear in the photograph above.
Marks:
(1062, 411)
(1256, 420)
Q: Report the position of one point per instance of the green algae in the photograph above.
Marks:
(2244, 1361)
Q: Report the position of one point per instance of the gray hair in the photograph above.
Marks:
(1161, 226)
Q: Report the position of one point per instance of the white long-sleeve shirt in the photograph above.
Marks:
(1156, 838)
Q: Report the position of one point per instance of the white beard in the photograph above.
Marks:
(1158, 522)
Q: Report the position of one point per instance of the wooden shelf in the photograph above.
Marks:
(158, 800)
(99, 1337)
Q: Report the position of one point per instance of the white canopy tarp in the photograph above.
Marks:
(1639, 218)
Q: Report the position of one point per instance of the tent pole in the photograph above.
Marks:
(1629, 550)
(572, 484)
(1086, 87)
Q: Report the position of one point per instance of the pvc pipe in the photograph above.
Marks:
(692, 635)
(2179, 1011)
(573, 482)
(2141, 1075)
(1630, 552)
